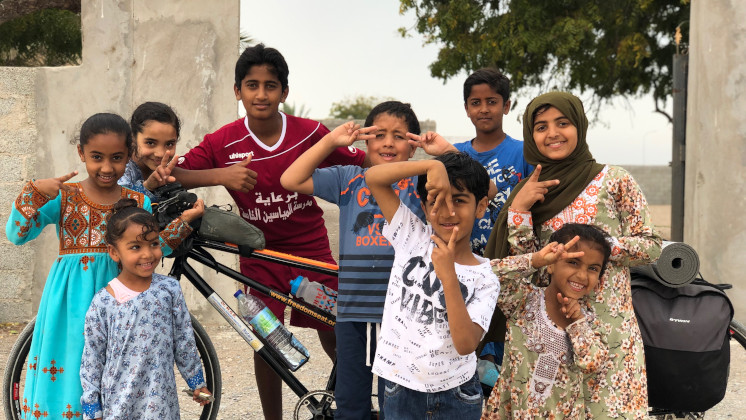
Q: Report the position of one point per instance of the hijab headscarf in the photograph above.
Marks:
(574, 172)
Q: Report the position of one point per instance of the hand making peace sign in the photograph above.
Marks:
(349, 132)
(52, 186)
(431, 142)
(533, 190)
(162, 174)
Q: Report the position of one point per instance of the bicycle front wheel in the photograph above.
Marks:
(189, 409)
(15, 376)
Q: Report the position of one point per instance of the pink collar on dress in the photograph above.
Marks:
(122, 293)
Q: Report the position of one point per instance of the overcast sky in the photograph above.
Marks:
(339, 49)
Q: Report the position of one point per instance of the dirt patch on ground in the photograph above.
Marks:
(10, 329)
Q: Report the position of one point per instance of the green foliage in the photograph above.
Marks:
(42, 38)
(357, 107)
(297, 111)
(611, 48)
(244, 41)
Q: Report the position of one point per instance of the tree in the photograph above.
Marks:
(357, 107)
(298, 111)
(12, 9)
(244, 41)
(610, 48)
(40, 33)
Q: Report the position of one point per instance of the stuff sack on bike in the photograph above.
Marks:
(225, 226)
(687, 349)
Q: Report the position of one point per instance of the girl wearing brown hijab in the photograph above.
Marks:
(568, 186)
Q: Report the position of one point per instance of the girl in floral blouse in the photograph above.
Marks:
(550, 336)
(568, 186)
(136, 328)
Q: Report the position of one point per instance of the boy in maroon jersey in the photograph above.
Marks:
(247, 157)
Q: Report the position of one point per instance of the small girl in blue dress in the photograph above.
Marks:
(136, 328)
(78, 210)
(155, 127)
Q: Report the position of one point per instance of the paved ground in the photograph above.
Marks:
(241, 401)
(240, 396)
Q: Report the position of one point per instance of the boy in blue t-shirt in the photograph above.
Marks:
(486, 101)
(366, 256)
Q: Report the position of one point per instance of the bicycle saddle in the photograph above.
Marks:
(225, 226)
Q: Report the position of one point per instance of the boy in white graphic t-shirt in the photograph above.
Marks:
(441, 296)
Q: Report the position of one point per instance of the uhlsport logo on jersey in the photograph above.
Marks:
(241, 156)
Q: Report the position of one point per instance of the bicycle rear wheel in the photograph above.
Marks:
(733, 401)
(738, 332)
(15, 376)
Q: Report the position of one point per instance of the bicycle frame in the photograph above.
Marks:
(197, 252)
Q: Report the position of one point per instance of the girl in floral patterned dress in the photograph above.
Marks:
(550, 335)
(78, 211)
(136, 328)
(568, 186)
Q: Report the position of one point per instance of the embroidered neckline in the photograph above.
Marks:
(545, 314)
(93, 204)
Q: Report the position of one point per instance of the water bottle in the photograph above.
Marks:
(488, 371)
(266, 324)
(314, 293)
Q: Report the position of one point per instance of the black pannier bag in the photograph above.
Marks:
(687, 349)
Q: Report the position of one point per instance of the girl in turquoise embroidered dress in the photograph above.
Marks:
(78, 211)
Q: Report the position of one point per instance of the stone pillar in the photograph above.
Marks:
(715, 192)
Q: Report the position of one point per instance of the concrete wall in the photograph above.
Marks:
(180, 53)
(331, 123)
(715, 192)
(655, 182)
(18, 145)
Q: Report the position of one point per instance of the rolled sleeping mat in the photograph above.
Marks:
(677, 266)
